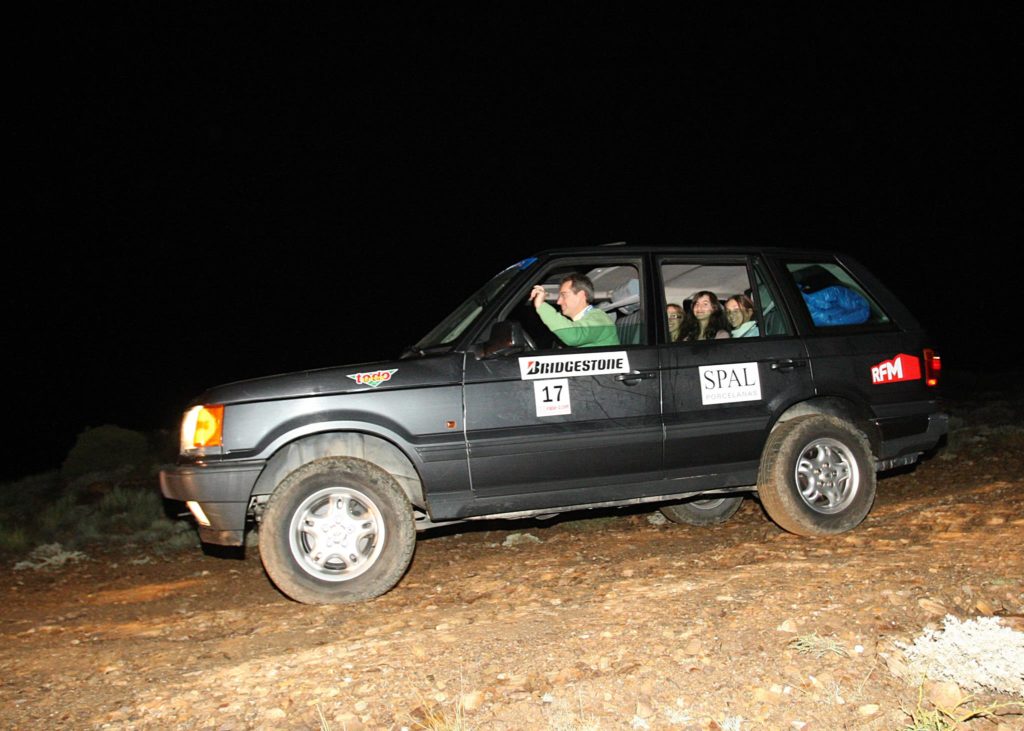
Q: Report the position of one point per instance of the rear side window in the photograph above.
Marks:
(717, 300)
(832, 297)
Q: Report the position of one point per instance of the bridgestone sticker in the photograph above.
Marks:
(598, 364)
(552, 397)
(729, 383)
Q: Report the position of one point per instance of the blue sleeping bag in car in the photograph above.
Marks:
(836, 305)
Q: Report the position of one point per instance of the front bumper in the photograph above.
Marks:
(222, 491)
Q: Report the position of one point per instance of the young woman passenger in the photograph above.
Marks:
(740, 312)
(675, 316)
(705, 320)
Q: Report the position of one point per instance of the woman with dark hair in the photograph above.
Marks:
(705, 319)
(739, 310)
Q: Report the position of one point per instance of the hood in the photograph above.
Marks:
(360, 377)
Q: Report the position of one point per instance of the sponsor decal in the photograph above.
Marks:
(595, 364)
(373, 378)
(729, 383)
(901, 368)
(552, 397)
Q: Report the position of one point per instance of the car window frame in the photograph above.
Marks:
(802, 313)
(459, 328)
(517, 291)
(747, 261)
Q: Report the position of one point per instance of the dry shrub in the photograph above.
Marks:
(979, 654)
(105, 448)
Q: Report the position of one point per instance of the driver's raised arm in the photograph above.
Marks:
(580, 325)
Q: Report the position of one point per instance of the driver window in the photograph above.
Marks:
(584, 306)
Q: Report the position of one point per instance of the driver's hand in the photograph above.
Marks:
(537, 295)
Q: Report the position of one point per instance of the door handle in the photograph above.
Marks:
(788, 364)
(634, 377)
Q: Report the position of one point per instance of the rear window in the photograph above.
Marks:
(833, 298)
(739, 308)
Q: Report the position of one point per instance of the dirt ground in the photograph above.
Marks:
(615, 621)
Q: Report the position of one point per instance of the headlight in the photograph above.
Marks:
(203, 426)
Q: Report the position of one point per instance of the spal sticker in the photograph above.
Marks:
(373, 378)
(729, 383)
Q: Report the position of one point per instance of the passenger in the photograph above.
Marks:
(740, 312)
(675, 316)
(706, 319)
(581, 325)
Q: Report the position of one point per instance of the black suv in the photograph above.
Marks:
(791, 375)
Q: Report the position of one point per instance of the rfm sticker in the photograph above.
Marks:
(901, 368)
(552, 397)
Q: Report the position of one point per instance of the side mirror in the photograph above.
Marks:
(506, 338)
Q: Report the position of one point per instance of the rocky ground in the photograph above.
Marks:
(617, 621)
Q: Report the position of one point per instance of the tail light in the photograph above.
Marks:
(932, 367)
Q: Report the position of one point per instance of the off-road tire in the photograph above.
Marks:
(817, 476)
(337, 530)
(703, 511)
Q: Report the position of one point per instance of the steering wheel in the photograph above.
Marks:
(530, 342)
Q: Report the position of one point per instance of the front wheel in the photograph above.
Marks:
(337, 530)
(817, 476)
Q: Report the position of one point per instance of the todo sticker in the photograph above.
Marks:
(373, 378)
(552, 397)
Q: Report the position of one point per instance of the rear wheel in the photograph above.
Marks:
(337, 530)
(817, 476)
(707, 511)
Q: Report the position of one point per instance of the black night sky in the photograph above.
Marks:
(225, 192)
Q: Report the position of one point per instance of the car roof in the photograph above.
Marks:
(698, 250)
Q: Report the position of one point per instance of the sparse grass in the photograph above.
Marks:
(51, 555)
(437, 717)
(21, 504)
(562, 719)
(818, 646)
(834, 694)
(950, 719)
(731, 723)
(131, 510)
(13, 540)
(63, 512)
(321, 719)
(107, 493)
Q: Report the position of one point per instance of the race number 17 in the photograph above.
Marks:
(552, 397)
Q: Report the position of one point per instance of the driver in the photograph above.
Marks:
(581, 325)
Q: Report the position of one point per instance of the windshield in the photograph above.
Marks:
(465, 314)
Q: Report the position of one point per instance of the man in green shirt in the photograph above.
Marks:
(581, 325)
